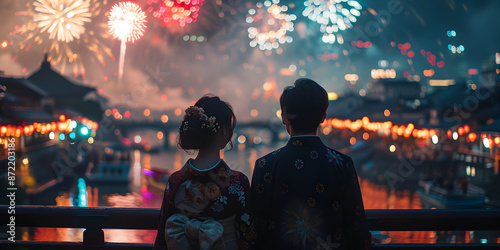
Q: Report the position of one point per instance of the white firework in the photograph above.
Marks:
(333, 16)
(274, 25)
(62, 19)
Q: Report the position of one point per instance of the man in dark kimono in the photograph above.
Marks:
(307, 195)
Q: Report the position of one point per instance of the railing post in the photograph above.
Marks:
(93, 237)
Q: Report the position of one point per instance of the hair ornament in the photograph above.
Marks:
(194, 110)
(206, 122)
(185, 126)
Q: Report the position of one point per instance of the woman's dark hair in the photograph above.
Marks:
(209, 116)
(304, 105)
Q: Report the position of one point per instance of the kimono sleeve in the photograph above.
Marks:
(245, 225)
(167, 209)
(358, 236)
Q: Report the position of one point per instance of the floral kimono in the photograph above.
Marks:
(307, 196)
(197, 202)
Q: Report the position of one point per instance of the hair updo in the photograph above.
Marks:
(208, 118)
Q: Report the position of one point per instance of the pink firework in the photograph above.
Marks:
(181, 11)
(126, 21)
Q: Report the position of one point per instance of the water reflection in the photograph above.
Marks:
(146, 185)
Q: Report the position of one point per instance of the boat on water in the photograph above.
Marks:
(432, 196)
(155, 180)
(109, 165)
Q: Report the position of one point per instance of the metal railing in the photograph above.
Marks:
(94, 219)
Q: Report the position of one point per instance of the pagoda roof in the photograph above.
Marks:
(493, 127)
(29, 116)
(8, 97)
(57, 85)
(24, 85)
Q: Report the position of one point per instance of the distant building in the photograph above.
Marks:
(66, 93)
(394, 89)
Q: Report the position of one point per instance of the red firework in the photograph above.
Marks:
(181, 11)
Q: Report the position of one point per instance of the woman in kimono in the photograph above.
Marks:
(206, 204)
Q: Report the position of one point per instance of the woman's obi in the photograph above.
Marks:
(184, 233)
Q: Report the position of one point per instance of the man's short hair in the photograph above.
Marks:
(304, 104)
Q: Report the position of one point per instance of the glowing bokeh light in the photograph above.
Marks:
(137, 139)
(435, 139)
(180, 11)
(273, 25)
(127, 21)
(242, 139)
(333, 16)
(486, 142)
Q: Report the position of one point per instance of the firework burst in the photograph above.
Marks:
(332, 15)
(63, 19)
(180, 11)
(32, 35)
(126, 21)
(275, 24)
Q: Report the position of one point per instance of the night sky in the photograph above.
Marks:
(163, 71)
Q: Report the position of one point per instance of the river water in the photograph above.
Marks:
(136, 194)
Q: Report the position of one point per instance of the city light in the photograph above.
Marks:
(392, 148)
(486, 142)
(242, 139)
(435, 139)
(164, 118)
(52, 135)
(257, 140)
(443, 83)
(332, 96)
(84, 130)
(352, 140)
(383, 73)
(137, 139)
(472, 137)
(351, 77)
(366, 136)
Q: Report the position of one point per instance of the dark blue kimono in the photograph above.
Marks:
(307, 196)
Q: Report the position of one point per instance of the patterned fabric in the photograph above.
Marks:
(183, 233)
(216, 194)
(307, 196)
